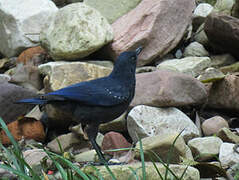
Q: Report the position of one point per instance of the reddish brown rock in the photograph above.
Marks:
(156, 25)
(224, 94)
(30, 53)
(114, 140)
(163, 88)
(26, 128)
(222, 32)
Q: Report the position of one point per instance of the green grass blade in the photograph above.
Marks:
(16, 172)
(59, 144)
(134, 173)
(142, 159)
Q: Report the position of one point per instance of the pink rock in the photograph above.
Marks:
(158, 25)
(114, 140)
(213, 125)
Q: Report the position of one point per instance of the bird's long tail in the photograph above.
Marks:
(32, 101)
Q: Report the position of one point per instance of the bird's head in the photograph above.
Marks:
(126, 62)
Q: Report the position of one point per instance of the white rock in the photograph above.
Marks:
(205, 148)
(189, 65)
(203, 9)
(195, 49)
(21, 22)
(76, 31)
(227, 155)
(148, 121)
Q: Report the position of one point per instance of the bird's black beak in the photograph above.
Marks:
(138, 50)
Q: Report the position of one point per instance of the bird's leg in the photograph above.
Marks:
(92, 130)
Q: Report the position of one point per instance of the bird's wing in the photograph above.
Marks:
(98, 92)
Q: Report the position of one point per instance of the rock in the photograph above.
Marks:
(6, 174)
(224, 94)
(230, 68)
(67, 141)
(111, 9)
(21, 23)
(27, 76)
(76, 31)
(114, 140)
(227, 156)
(192, 66)
(164, 88)
(217, 26)
(227, 136)
(161, 145)
(117, 125)
(145, 121)
(224, 7)
(125, 171)
(35, 113)
(145, 69)
(201, 37)
(108, 64)
(62, 74)
(4, 78)
(195, 49)
(144, 25)
(205, 148)
(87, 156)
(213, 125)
(24, 128)
(27, 56)
(200, 13)
(222, 60)
(34, 159)
(235, 9)
(211, 75)
(10, 93)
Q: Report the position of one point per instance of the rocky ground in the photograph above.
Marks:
(187, 77)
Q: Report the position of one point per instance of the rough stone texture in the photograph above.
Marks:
(9, 94)
(201, 36)
(210, 75)
(124, 172)
(24, 128)
(76, 31)
(224, 94)
(161, 145)
(112, 9)
(67, 141)
(61, 74)
(189, 65)
(221, 31)
(114, 140)
(145, 121)
(228, 136)
(224, 7)
(213, 125)
(222, 60)
(227, 156)
(87, 156)
(230, 68)
(195, 49)
(145, 26)
(164, 88)
(4, 78)
(20, 20)
(205, 148)
(117, 125)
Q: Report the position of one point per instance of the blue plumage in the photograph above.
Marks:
(97, 101)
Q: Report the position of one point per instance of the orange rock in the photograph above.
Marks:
(27, 128)
(29, 53)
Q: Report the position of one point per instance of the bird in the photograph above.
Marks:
(97, 101)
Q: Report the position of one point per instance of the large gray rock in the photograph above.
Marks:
(227, 156)
(123, 172)
(112, 9)
(10, 93)
(189, 65)
(21, 22)
(62, 74)
(76, 31)
(161, 145)
(164, 88)
(205, 148)
(145, 121)
(195, 49)
(145, 26)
